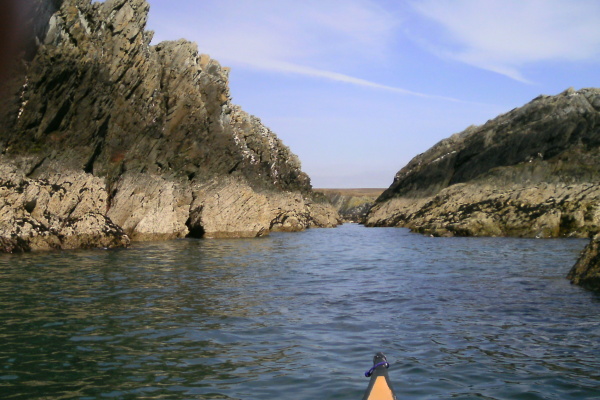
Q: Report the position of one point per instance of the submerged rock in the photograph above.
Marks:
(532, 172)
(152, 126)
(586, 272)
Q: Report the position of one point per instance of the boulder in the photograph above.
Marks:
(586, 272)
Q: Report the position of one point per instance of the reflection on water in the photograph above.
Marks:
(299, 316)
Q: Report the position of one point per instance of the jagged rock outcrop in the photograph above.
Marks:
(351, 204)
(230, 208)
(58, 211)
(586, 272)
(532, 172)
(155, 123)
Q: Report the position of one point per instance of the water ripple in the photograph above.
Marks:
(300, 316)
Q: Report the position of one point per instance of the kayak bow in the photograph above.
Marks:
(380, 387)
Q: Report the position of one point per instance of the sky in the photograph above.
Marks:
(357, 88)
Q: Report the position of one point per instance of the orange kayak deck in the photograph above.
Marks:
(380, 387)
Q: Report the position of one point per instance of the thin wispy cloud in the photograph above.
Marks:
(289, 68)
(333, 40)
(504, 36)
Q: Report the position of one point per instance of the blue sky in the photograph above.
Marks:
(356, 88)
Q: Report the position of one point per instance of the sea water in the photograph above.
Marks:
(300, 316)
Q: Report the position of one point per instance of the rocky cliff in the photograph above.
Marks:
(152, 129)
(352, 204)
(532, 172)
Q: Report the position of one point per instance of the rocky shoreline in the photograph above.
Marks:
(532, 172)
(61, 211)
(543, 210)
(106, 139)
(351, 204)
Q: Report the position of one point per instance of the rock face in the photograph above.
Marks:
(532, 172)
(60, 211)
(153, 126)
(586, 272)
(352, 204)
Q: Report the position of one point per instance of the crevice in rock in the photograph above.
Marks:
(101, 134)
(30, 205)
(57, 80)
(196, 231)
(89, 166)
(59, 117)
(235, 167)
(131, 91)
(35, 167)
(112, 191)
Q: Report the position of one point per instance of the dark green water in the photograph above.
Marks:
(299, 316)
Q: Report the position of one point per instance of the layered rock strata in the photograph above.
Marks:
(532, 172)
(153, 126)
